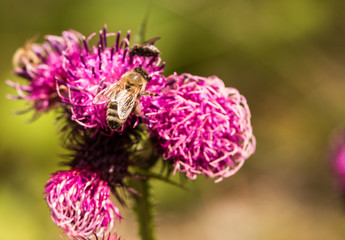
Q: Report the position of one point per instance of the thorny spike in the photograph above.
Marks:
(90, 37)
(99, 56)
(124, 43)
(124, 55)
(118, 40)
(85, 44)
(23, 74)
(161, 66)
(105, 35)
(69, 60)
(93, 72)
(20, 112)
(16, 85)
(83, 61)
(13, 97)
(60, 81)
(57, 49)
(128, 37)
(41, 56)
(71, 74)
(100, 42)
(152, 60)
(112, 53)
(73, 88)
(96, 236)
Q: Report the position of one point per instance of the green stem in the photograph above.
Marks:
(143, 153)
(144, 209)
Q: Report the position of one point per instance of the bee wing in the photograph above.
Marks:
(108, 93)
(151, 41)
(125, 103)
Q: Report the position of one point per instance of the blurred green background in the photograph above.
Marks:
(287, 57)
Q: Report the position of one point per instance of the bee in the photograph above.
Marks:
(31, 53)
(122, 96)
(146, 49)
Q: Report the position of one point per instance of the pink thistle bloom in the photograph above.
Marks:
(111, 236)
(41, 64)
(98, 67)
(80, 203)
(338, 157)
(201, 126)
(339, 164)
(67, 71)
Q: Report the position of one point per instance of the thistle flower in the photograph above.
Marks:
(41, 64)
(97, 67)
(111, 236)
(201, 126)
(80, 203)
(109, 155)
(337, 157)
(67, 71)
(339, 163)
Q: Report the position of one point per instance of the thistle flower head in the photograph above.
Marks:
(97, 67)
(201, 126)
(337, 156)
(110, 236)
(339, 163)
(41, 64)
(80, 203)
(69, 71)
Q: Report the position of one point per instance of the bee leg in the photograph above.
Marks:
(100, 85)
(137, 108)
(148, 93)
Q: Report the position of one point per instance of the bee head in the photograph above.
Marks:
(143, 73)
(135, 50)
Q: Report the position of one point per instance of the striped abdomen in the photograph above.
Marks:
(146, 51)
(113, 120)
